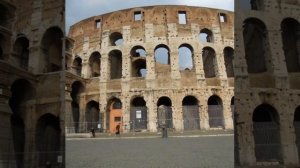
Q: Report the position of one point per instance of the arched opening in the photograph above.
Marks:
(21, 92)
(21, 51)
(186, 55)
(256, 45)
(266, 134)
(115, 60)
(116, 39)
(164, 112)
(209, 62)
(162, 54)
(94, 63)
(77, 89)
(206, 35)
(139, 68)
(92, 115)
(190, 109)
(77, 66)
(138, 114)
(291, 43)
(138, 51)
(48, 139)
(215, 112)
(51, 48)
(297, 128)
(228, 59)
(114, 115)
(232, 106)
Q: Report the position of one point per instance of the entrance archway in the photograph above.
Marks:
(190, 108)
(21, 92)
(92, 115)
(77, 89)
(138, 114)
(164, 112)
(215, 112)
(266, 134)
(114, 115)
(48, 140)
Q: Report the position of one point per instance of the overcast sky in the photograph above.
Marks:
(77, 10)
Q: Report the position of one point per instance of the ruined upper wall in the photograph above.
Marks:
(159, 16)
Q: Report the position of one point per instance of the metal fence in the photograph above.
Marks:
(191, 119)
(267, 142)
(215, 113)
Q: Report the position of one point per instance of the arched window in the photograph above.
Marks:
(115, 58)
(21, 50)
(206, 35)
(77, 65)
(138, 51)
(94, 63)
(256, 45)
(186, 54)
(162, 54)
(291, 43)
(116, 39)
(52, 50)
(139, 68)
(209, 62)
(228, 58)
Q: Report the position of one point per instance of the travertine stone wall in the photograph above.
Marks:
(275, 87)
(159, 25)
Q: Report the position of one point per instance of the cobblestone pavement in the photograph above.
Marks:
(196, 152)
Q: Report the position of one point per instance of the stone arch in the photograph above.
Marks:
(228, 59)
(215, 112)
(162, 54)
(297, 128)
(47, 139)
(164, 112)
(138, 51)
(290, 30)
(116, 39)
(190, 110)
(114, 114)
(77, 66)
(139, 68)
(95, 64)
(186, 57)
(51, 49)
(92, 115)
(21, 91)
(266, 132)
(206, 35)
(209, 62)
(21, 51)
(256, 45)
(77, 89)
(138, 113)
(115, 64)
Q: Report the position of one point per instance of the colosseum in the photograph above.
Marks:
(151, 67)
(31, 83)
(267, 83)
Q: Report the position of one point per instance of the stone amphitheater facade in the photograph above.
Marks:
(267, 83)
(116, 73)
(31, 83)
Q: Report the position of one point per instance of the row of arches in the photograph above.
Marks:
(50, 51)
(161, 56)
(205, 35)
(47, 132)
(257, 45)
(138, 115)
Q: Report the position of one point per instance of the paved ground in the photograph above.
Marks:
(151, 152)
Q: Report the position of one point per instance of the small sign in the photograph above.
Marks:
(99, 126)
(139, 114)
(59, 159)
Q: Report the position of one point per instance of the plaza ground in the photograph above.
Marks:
(185, 151)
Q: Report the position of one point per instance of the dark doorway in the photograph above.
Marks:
(190, 108)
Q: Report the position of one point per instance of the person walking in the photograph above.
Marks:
(118, 130)
(93, 132)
